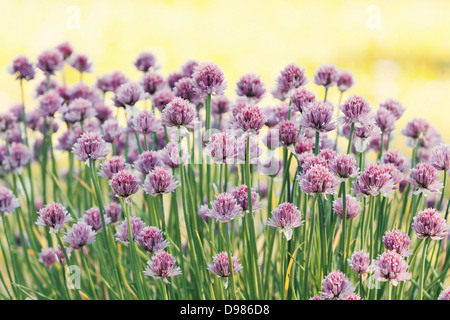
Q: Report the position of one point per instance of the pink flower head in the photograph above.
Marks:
(128, 94)
(445, 295)
(241, 149)
(416, 129)
(276, 114)
(220, 105)
(66, 50)
(47, 257)
(337, 286)
(318, 116)
(111, 82)
(112, 166)
(185, 88)
(390, 266)
(288, 131)
(304, 144)
(60, 254)
(360, 262)
(178, 112)
(250, 118)
(188, 68)
(376, 180)
(152, 82)
(78, 110)
(7, 121)
(81, 63)
(221, 148)
(396, 158)
(145, 122)
(287, 217)
(112, 130)
(50, 61)
(124, 184)
(173, 78)
(22, 68)
(225, 208)
(203, 212)
(90, 146)
(162, 266)
(326, 75)
(93, 218)
(385, 120)
(53, 215)
(159, 181)
(425, 178)
(364, 134)
(290, 78)
(161, 98)
(354, 296)
(136, 226)
(307, 160)
(50, 103)
(220, 265)
(241, 195)
(80, 236)
(250, 85)
(394, 106)
(170, 155)
(113, 211)
(345, 80)
(344, 166)
(147, 161)
(352, 207)
(19, 155)
(440, 158)
(430, 224)
(398, 241)
(145, 61)
(209, 79)
(356, 109)
(8, 201)
(151, 239)
(300, 98)
(318, 179)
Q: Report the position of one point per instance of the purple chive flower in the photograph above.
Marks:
(81, 63)
(430, 224)
(241, 149)
(124, 184)
(240, 193)
(90, 146)
(317, 298)
(203, 212)
(113, 211)
(60, 254)
(354, 296)
(337, 286)
(112, 166)
(80, 236)
(151, 239)
(170, 155)
(318, 179)
(185, 88)
(7, 121)
(161, 98)
(188, 68)
(145, 122)
(68, 139)
(440, 158)
(364, 134)
(360, 262)
(128, 94)
(50, 61)
(394, 106)
(8, 201)
(112, 130)
(307, 160)
(162, 266)
(112, 81)
(145, 61)
(445, 295)
(19, 155)
(250, 118)
(250, 86)
(220, 265)
(290, 78)
(53, 215)
(136, 225)
(159, 181)
(377, 179)
(398, 241)
(147, 161)
(352, 207)
(287, 217)
(47, 257)
(396, 158)
(318, 116)
(415, 129)
(344, 166)
(276, 114)
(65, 49)
(178, 112)
(326, 75)
(93, 218)
(224, 208)
(385, 120)
(209, 79)
(288, 131)
(173, 78)
(345, 80)
(356, 109)
(50, 103)
(300, 98)
(22, 68)
(221, 148)
(78, 111)
(390, 266)
(152, 82)
(424, 177)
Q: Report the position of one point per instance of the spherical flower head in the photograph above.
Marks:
(276, 114)
(147, 161)
(128, 94)
(318, 179)
(69, 138)
(356, 109)
(220, 105)
(50, 103)
(173, 78)
(250, 85)
(112, 166)
(224, 208)
(81, 63)
(170, 155)
(159, 181)
(145, 122)
(90, 146)
(177, 113)
(300, 98)
(318, 116)
(136, 225)
(374, 181)
(124, 184)
(394, 106)
(80, 236)
(185, 88)
(151, 239)
(61, 258)
(288, 131)
(93, 218)
(385, 120)
(50, 61)
(360, 262)
(152, 82)
(65, 49)
(390, 266)
(53, 215)
(209, 79)
(220, 265)
(287, 217)
(22, 68)
(112, 130)
(221, 148)
(364, 134)
(416, 129)
(145, 61)
(111, 81)
(398, 241)
(8, 201)
(337, 286)
(445, 295)
(240, 194)
(203, 212)
(352, 207)
(344, 166)
(161, 98)
(307, 160)
(430, 224)
(354, 296)
(113, 211)
(326, 75)
(78, 110)
(440, 158)
(345, 80)
(250, 119)
(47, 257)
(19, 155)
(290, 78)
(396, 158)
(241, 149)
(162, 266)
(7, 121)
(424, 177)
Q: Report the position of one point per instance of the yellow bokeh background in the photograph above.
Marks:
(397, 49)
